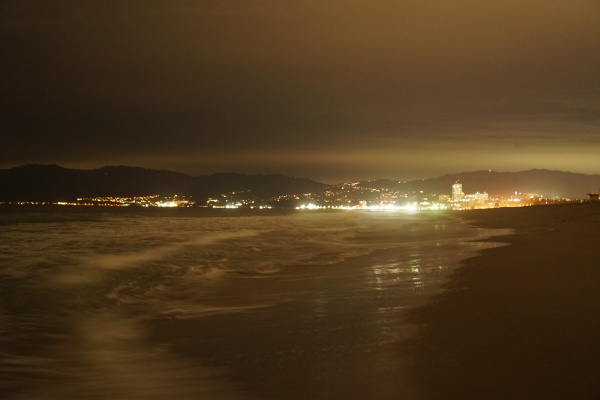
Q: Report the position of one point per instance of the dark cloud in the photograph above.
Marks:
(323, 89)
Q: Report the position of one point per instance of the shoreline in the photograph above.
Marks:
(337, 339)
(517, 321)
(477, 329)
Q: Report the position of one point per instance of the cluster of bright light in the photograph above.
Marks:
(167, 204)
(378, 207)
(309, 206)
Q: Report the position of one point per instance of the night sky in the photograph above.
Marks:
(331, 90)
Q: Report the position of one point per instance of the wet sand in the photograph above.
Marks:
(336, 334)
(520, 321)
(309, 307)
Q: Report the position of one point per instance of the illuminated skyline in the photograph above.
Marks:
(333, 90)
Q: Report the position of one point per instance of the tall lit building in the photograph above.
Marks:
(457, 193)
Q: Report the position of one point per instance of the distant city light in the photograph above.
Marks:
(345, 196)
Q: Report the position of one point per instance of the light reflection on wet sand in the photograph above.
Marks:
(338, 340)
(518, 322)
(140, 325)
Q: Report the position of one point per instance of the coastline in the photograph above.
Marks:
(501, 327)
(518, 321)
(119, 306)
(337, 340)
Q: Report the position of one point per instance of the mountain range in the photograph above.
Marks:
(36, 182)
(502, 184)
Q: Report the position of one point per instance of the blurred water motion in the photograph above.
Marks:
(191, 305)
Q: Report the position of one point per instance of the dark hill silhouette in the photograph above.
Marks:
(536, 181)
(54, 183)
(36, 182)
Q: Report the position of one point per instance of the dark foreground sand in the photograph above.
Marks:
(521, 321)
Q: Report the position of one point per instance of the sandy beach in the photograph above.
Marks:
(189, 304)
(413, 306)
(519, 321)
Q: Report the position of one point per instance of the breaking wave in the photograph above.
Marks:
(80, 289)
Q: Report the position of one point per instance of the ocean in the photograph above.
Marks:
(136, 303)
